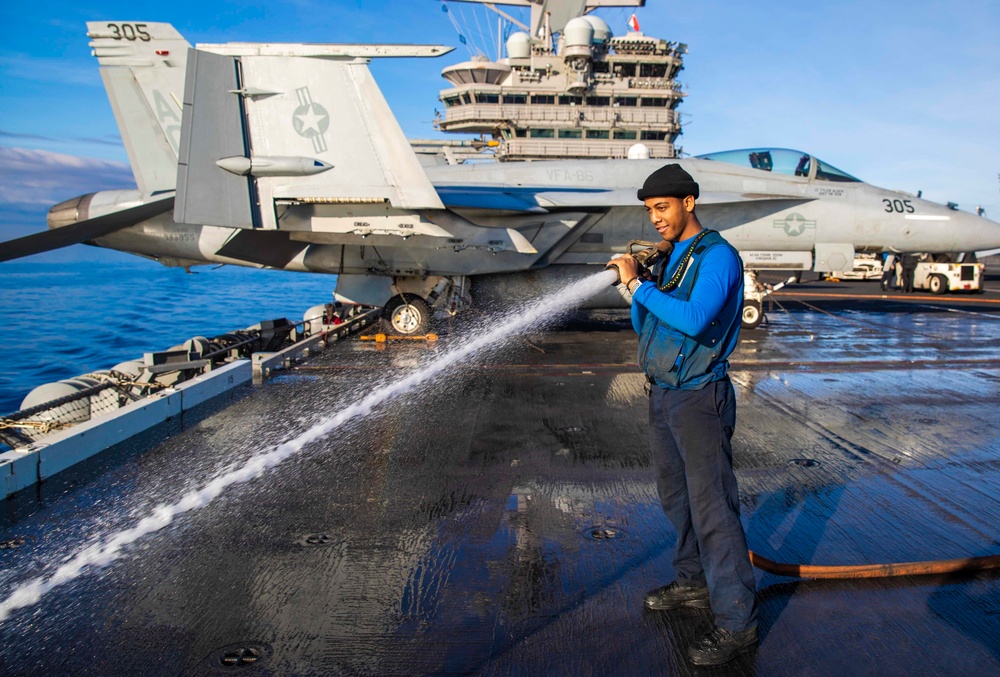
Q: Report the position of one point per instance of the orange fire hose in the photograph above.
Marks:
(941, 566)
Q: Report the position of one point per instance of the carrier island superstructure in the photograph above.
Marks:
(574, 91)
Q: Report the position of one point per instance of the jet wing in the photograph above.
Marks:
(82, 231)
(627, 198)
(542, 199)
(489, 197)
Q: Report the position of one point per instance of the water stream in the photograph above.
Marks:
(491, 335)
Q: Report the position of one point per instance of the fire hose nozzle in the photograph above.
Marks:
(645, 258)
(618, 278)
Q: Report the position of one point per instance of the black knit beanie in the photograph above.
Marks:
(669, 181)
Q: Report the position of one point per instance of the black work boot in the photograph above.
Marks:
(675, 595)
(721, 646)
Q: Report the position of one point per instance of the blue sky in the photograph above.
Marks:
(904, 95)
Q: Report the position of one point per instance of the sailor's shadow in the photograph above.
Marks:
(799, 543)
(970, 603)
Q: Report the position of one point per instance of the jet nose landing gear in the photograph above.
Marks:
(407, 314)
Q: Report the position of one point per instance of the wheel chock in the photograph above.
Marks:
(383, 338)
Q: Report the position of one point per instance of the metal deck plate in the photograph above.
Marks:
(453, 530)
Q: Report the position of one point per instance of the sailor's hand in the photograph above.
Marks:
(626, 266)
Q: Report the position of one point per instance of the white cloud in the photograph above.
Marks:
(49, 70)
(39, 177)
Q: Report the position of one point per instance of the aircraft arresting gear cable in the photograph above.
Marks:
(941, 566)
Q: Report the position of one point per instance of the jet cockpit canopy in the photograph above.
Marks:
(781, 161)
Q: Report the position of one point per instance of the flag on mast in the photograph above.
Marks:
(633, 24)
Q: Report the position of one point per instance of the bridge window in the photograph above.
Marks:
(542, 133)
(543, 99)
(627, 134)
(515, 98)
(567, 100)
(598, 100)
(570, 133)
(625, 70)
(626, 101)
(653, 70)
(653, 136)
(487, 98)
(450, 101)
(654, 103)
(597, 134)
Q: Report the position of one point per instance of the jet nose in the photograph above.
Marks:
(981, 233)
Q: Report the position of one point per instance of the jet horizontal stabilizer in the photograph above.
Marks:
(82, 231)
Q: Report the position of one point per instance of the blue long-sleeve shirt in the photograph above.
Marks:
(720, 281)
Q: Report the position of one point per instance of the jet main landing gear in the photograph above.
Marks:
(407, 315)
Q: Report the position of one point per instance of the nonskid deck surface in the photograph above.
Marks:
(504, 520)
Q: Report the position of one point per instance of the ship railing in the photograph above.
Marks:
(579, 148)
(101, 393)
(26, 426)
(528, 115)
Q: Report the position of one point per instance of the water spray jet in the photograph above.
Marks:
(539, 313)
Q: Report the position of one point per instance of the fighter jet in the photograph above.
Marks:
(287, 156)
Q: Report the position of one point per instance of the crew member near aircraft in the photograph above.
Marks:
(909, 268)
(688, 321)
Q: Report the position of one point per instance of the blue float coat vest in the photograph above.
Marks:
(672, 359)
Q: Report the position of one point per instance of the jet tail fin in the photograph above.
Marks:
(320, 131)
(143, 67)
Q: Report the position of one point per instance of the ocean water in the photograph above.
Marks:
(61, 320)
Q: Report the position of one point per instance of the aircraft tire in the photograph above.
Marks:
(407, 315)
(753, 315)
(938, 284)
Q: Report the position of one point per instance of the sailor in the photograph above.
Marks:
(908, 263)
(888, 268)
(688, 321)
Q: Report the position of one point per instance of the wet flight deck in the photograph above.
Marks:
(503, 520)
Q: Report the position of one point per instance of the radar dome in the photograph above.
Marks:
(602, 31)
(519, 45)
(638, 151)
(578, 32)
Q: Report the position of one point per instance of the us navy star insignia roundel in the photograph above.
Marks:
(794, 224)
(310, 119)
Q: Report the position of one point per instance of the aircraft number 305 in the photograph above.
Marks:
(900, 206)
(130, 32)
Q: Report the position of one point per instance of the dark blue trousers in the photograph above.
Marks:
(690, 433)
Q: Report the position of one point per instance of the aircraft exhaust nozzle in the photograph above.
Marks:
(70, 211)
(273, 166)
